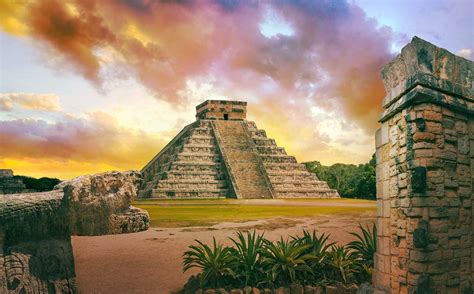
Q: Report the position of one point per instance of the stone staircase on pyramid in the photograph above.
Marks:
(288, 178)
(190, 166)
(242, 162)
(222, 155)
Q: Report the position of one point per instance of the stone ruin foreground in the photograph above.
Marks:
(425, 174)
(35, 229)
(222, 155)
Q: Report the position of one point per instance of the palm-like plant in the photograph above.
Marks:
(342, 263)
(285, 260)
(318, 246)
(318, 249)
(363, 250)
(217, 264)
(365, 246)
(249, 251)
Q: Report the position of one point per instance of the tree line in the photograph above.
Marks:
(350, 180)
(39, 185)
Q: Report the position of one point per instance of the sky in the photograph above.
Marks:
(89, 86)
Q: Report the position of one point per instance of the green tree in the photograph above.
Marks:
(39, 185)
(351, 181)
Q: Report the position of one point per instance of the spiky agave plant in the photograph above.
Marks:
(248, 251)
(363, 250)
(318, 245)
(319, 249)
(285, 260)
(365, 246)
(342, 263)
(217, 264)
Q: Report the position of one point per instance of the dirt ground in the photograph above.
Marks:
(150, 262)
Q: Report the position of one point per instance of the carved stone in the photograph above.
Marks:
(35, 229)
(222, 154)
(425, 172)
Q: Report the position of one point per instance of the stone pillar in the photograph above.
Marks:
(425, 174)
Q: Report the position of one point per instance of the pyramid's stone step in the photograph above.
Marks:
(203, 132)
(275, 167)
(202, 149)
(197, 157)
(271, 150)
(203, 124)
(272, 158)
(264, 141)
(237, 148)
(191, 184)
(300, 194)
(291, 176)
(200, 140)
(189, 193)
(300, 186)
(302, 190)
(203, 175)
(258, 133)
(196, 166)
(299, 180)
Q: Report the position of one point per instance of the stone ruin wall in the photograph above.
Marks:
(35, 228)
(425, 172)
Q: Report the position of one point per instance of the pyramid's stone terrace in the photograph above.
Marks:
(222, 155)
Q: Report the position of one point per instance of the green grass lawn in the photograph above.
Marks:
(184, 213)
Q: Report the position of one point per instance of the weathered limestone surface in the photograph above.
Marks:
(35, 229)
(243, 163)
(223, 155)
(100, 204)
(425, 174)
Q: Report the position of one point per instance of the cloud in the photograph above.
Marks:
(5, 104)
(324, 55)
(42, 102)
(466, 53)
(93, 139)
(165, 44)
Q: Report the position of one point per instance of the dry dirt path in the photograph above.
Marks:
(150, 262)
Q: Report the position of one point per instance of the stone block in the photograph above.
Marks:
(431, 115)
(441, 255)
(424, 137)
(384, 134)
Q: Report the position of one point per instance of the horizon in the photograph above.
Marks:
(87, 88)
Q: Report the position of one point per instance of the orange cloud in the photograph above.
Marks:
(45, 102)
(93, 141)
(331, 59)
(164, 44)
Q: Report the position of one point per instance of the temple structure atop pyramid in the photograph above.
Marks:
(222, 155)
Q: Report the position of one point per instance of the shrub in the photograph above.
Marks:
(318, 249)
(285, 261)
(363, 249)
(342, 264)
(217, 264)
(365, 246)
(248, 250)
(308, 259)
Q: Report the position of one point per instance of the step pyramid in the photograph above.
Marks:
(222, 155)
